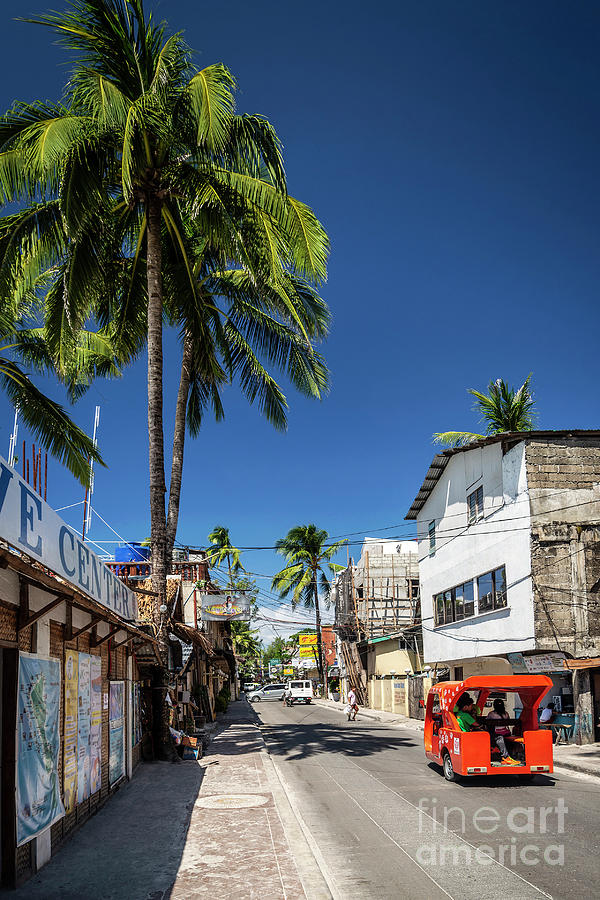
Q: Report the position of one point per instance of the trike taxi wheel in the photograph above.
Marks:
(449, 773)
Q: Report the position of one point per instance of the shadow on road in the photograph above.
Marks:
(497, 781)
(295, 741)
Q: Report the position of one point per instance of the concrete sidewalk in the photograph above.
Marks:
(219, 827)
(584, 758)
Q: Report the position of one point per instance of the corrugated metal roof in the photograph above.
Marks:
(441, 460)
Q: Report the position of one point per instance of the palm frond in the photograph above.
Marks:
(456, 438)
(48, 421)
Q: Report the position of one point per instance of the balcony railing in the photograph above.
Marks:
(189, 571)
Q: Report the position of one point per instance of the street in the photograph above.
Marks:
(375, 809)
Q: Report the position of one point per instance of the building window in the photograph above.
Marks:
(464, 600)
(458, 673)
(454, 604)
(431, 532)
(491, 590)
(458, 603)
(475, 505)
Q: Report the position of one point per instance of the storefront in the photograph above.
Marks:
(71, 701)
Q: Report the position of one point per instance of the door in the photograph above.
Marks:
(433, 723)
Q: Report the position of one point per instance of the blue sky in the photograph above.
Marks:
(451, 150)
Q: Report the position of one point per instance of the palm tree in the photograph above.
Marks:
(144, 164)
(502, 409)
(306, 552)
(244, 641)
(146, 200)
(221, 550)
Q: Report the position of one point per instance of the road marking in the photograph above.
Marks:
(399, 846)
(456, 835)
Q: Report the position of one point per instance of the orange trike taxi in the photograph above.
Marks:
(475, 752)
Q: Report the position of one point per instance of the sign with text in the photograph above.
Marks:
(308, 646)
(30, 524)
(225, 607)
(536, 665)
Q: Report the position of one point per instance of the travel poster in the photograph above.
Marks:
(83, 729)
(96, 723)
(70, 750)
(38, 735)
(116, 725)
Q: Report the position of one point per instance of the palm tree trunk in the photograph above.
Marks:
(178, 446)
(158, 522)
(318, 623)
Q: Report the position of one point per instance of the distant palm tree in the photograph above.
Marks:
(503, 409)
(306, 551)
(244, 641)
(221, 550)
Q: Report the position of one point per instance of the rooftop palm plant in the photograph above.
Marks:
(307, 554)
(502, 409)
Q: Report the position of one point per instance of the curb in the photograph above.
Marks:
(307, 857)
(576, 767)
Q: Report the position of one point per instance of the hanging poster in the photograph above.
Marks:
(136, 713)
(116, 725)
(70, 751)
(229, 607)
(96, 723)
(38, 784)
(83, 729)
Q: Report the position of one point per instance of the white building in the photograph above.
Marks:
(473, 519)
(509, 564)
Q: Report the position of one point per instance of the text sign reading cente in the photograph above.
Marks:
(30, 524)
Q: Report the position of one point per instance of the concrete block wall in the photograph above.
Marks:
(563, 476)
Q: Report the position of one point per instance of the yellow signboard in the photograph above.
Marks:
(308, 646)
(288, 671)
(304, 639)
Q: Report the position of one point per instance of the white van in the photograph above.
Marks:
(301, 691)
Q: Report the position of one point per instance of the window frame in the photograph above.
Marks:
(475, 513)
(432, 537)
(499, 598)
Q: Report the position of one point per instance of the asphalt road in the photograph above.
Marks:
(376, 809)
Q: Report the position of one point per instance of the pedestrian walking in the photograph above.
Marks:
(352, 708)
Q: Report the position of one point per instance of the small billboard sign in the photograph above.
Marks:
(225, 607)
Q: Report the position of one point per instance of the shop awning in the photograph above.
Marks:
(193, 636)
(583, 663)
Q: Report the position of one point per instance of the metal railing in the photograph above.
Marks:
(189, 571)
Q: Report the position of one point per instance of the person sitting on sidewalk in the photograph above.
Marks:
(502, 733)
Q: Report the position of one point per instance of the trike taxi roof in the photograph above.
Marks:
(531, 686)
